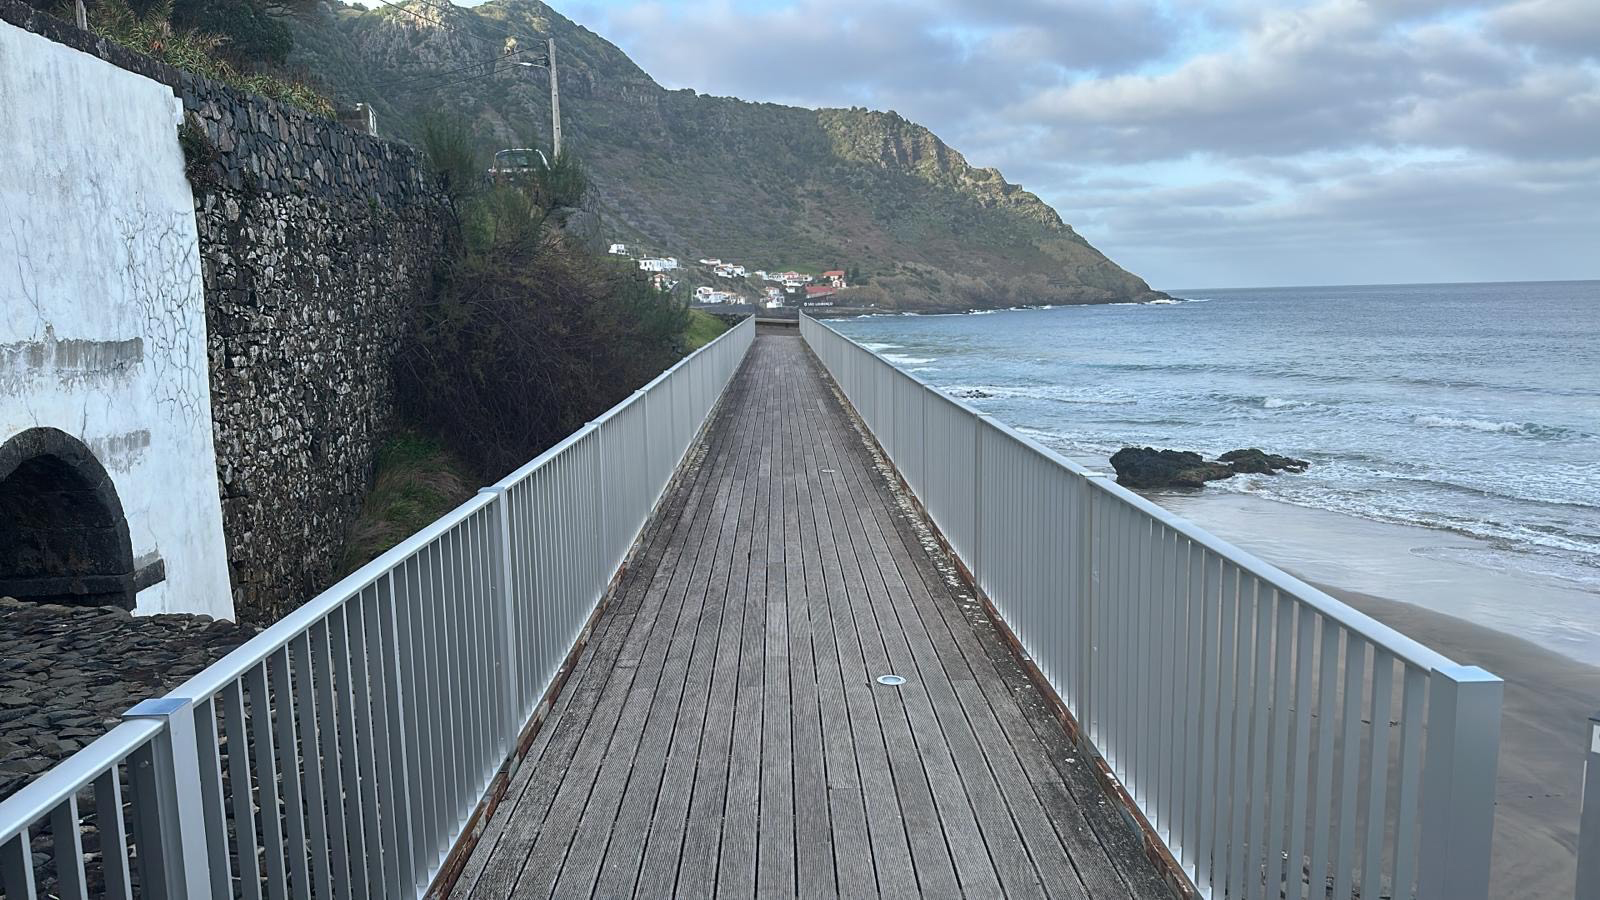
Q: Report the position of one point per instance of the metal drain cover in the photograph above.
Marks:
(891, 680)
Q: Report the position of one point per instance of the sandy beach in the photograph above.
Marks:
(1549, 695)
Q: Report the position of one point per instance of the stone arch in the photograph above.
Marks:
(63, 535)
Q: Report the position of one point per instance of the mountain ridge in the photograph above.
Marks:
(695, 175)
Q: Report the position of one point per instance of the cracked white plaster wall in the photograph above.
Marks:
(102, 309)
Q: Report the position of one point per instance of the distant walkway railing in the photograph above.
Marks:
(343, 751)
(1234, 703)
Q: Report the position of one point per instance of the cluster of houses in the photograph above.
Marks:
(791, 288)
(657, 266)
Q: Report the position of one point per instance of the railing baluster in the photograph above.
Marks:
(288, 747)
(216, 824)
(344, 702)
(240, 780)
(1378, 770)
(1355, 666)
(312, 790)
(70, 881)
(114, 835)
(16, 867)
(333, 770)
(1305, 650)
(267, 781)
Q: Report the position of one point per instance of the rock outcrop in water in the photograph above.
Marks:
(1147, 467)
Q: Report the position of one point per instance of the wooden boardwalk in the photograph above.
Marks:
(724, 733)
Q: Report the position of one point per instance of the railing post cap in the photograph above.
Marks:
(157, 708)
(492, 489)
(1468, 674)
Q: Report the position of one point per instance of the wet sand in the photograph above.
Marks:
(1549, 695)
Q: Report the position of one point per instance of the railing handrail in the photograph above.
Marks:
(72, 775)
(1406, 648)
(273, 638)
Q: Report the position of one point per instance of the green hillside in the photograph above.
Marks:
(770, 186)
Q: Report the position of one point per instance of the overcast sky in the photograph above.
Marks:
(1210, 144)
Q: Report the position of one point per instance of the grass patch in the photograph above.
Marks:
(149, 30)
(703, 329)
(418, 481)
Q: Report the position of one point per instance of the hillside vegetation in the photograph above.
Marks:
(771, 186)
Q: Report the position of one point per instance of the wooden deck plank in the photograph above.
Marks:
(723, 732)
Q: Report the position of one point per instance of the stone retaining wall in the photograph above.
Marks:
(314, 239)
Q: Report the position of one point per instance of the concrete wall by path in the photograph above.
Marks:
(103, 331)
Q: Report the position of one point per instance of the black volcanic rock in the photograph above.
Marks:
(1149, 468)
(1252, 461)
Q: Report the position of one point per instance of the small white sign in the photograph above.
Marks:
(1594, 739)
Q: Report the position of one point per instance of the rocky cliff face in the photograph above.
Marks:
(693, 175)
(895, 143)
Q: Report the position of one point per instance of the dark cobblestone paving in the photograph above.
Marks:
(68, 673)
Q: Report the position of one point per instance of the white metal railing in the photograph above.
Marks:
(341, 752)
(1233, 702)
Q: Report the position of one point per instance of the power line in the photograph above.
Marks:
(430, 87)
(472, 65)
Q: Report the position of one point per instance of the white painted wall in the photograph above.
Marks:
(102, 315)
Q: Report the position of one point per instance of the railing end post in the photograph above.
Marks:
(1463, 735)
(1589, 813)
(167, 801)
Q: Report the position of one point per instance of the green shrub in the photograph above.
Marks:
(452, 153)
(528, 335)
(151, 31)
(563, 184)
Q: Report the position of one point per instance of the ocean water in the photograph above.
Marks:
(1469, 408)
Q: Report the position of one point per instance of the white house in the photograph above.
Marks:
(737, 271)
(710, 262)
(619, 249)
(651, 264)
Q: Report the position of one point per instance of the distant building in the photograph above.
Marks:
(663, 282)
(663, 264)
(819, 295)
(712, 296)
(362, 118)
(710, 262)
(619, 249)
(738, 271)
(835, 277)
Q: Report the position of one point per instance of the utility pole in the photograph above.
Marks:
(555, 97)
(81, 14)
